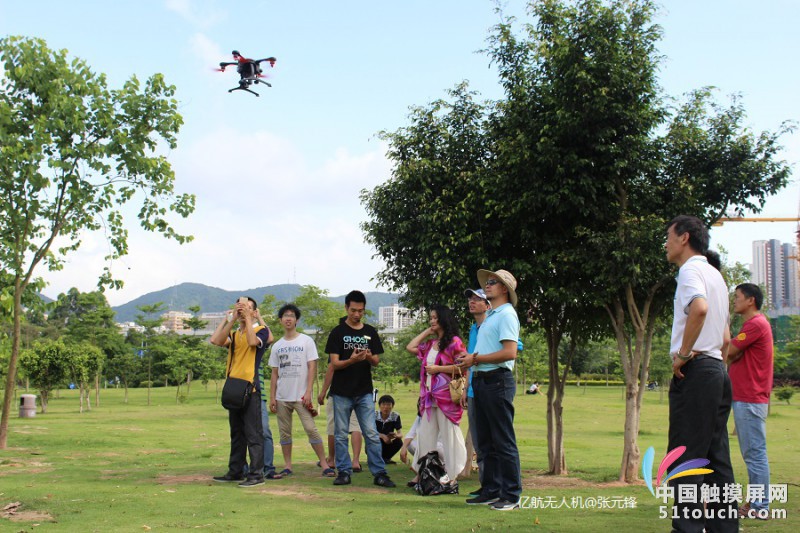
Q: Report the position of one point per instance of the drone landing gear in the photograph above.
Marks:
(245, 83)
(243, 89)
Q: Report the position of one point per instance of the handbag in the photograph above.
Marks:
(236, 392)
(458, 386)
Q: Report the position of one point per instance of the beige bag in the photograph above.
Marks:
(458, 386)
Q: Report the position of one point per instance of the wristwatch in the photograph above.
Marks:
(681, 357)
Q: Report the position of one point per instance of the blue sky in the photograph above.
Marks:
(280, 175)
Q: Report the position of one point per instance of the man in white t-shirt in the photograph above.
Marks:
(294, 364)
(700, 392)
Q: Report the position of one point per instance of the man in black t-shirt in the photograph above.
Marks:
(354, 348)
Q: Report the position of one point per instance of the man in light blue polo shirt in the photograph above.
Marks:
(494, 389)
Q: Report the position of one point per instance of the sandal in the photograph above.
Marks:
(272, 475)
(329, 472)
(286, 472)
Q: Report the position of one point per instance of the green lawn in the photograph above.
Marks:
(136, 468)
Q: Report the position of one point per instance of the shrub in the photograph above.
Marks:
(785, 394)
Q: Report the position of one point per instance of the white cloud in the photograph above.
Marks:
(202, 14)
(206, 50)
(264, 216)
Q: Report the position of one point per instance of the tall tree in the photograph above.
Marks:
(568, 183)
(149, 319)
(72, 152)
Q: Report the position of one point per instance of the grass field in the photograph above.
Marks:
(138, 468)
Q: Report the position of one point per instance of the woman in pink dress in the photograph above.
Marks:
(437, 349)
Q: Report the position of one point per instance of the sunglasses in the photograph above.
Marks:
(491, 282)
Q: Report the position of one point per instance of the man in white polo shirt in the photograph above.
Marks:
(700, 391)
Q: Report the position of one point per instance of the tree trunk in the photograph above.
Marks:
(88, 397)
(635, 362)
(556, 457)
(125, 384)
(80, 395)
(11, 378)
(44, 397)
(97, 390)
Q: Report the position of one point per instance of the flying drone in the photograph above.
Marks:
(249, 71)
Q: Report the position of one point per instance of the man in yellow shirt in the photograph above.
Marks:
(246, 346)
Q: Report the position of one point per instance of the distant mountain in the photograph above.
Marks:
(45, 299)
(212, 299)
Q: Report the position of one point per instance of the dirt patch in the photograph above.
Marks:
(31, 516)
(541, 481)
(113, 474)
(166, 479)
(289, 492)
(14, 512)
(27, 467)
(156, 451)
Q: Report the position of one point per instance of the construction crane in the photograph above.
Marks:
(722, 220)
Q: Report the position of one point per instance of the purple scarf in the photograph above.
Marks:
(440, 383)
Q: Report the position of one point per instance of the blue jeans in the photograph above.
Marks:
(497, 442)
(751, 427)
(364, 407)
(269, 446)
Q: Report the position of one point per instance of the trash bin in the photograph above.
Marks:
(27, 405)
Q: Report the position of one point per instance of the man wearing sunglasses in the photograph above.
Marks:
(494, 389)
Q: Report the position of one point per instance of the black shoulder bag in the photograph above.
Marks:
(236, 392)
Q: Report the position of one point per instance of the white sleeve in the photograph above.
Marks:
(273, 357)
(691, 286)
(311, 350)
(412, 432)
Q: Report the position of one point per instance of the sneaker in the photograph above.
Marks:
(746, 511)
(482, 500)
(382, 480)
(505, 505)
(252, 482)
(476, 492)
(342, 479)
(228, 478)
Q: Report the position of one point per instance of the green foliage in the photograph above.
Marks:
(568, 182)
(785, 394)
(72, 153)
(194, 323)
(50, 363)
(428, 222)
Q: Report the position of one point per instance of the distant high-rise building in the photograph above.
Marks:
(775, 270)
(395, 317)
(173, 320)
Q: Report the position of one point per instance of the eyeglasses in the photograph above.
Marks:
(492, 281)
(476, 299)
